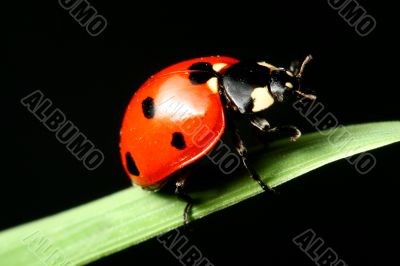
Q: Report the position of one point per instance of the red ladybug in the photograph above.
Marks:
(179, 115)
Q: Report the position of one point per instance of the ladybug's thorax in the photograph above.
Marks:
(253, 87)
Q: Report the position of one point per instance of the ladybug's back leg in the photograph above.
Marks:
(180, 193)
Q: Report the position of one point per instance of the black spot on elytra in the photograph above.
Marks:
(203, 74)
(178, 141)
(148, 107)
(130, 163)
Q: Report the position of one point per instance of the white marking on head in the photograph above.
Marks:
(262, 99)
(212, 83)
(218, 66)
(289, 85)
(267, 65)
(289, 73)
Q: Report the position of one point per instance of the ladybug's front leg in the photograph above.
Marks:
(263, 125)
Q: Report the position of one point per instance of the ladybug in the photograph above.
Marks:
(178, 116)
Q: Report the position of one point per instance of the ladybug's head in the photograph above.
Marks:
(286, 84)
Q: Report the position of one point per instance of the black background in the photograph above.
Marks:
(91, 79)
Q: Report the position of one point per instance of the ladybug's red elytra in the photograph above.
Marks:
(178, 115)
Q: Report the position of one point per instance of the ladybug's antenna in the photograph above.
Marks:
(303, 66)
(300, 75)
(307, 96)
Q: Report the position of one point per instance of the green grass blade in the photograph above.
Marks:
(105, 226)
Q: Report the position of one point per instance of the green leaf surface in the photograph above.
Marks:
(123, 219)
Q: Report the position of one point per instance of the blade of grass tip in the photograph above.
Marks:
(123, 219)
(314, 151)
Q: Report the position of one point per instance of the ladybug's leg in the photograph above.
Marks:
(242, 151)
(263, 125)
(179, 192)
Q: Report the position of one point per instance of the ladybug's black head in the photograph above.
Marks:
(286, 84)
(283, 84)
(252, 87)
